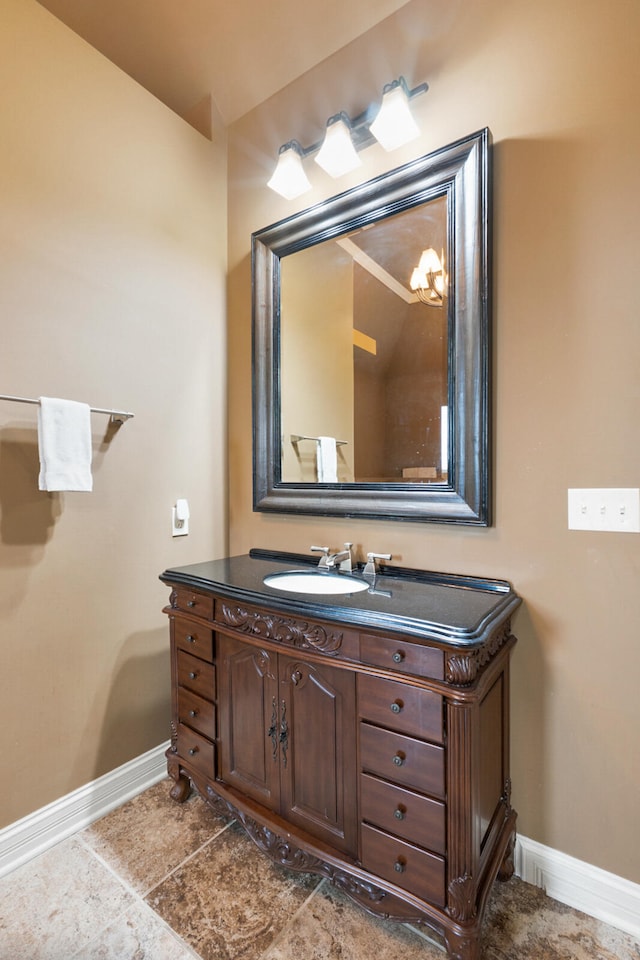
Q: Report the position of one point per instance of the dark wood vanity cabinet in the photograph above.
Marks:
(286, 738)
(374, 758)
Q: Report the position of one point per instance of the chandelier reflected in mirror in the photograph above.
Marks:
(429, 280)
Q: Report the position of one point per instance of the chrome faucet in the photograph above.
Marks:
(329, 561)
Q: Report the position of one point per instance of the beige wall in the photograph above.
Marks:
(112, 291)
(558, 84)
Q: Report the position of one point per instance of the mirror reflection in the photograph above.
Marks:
(363, 353)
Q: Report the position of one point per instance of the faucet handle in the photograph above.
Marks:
(325, 553)
(370, 568)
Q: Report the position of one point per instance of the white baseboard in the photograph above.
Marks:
(37, 832)
(596, 892)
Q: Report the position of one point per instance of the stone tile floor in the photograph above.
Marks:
(155, 880)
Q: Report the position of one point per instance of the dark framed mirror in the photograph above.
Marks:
(371, 329)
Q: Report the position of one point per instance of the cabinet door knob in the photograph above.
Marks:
(398, 656)
(396, 706)
(398, 759)
(192, 675)
(193, 751)
(193, 713)
(399, 813)
(399, 866)
(190, 639)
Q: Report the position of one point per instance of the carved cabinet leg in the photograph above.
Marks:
(507, 866)
(462, 946)
(182, 786)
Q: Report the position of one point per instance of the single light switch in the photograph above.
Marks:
(615, 509)
(180, 518)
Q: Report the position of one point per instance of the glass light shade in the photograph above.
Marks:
(337, 155)
(394, 124)
(289, 178)
(428, 279)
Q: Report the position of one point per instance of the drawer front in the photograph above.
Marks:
(402, 760)
(398, 654)
(199, 603)
(415, 870)
(401, 707)
(196, 750)
(403, 813)
(196, 675)
(197, 713)
(194, 639)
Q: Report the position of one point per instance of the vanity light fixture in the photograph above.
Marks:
(428, 280)
(394, 124)
(337, 154)
(391, 124)
(289, 178)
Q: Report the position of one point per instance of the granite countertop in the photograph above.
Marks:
(458, 611)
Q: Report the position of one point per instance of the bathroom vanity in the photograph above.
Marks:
(361, 736)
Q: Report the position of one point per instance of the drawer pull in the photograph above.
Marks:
(396, 706)
(192, 675)
(399, 813)
(193, 751)
(399, 759)
(193, 713)
(191, 603)
(190, 639)
(399, 866)
(398, 656)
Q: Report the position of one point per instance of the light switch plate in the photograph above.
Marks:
(615, 509)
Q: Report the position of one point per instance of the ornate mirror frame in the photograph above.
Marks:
(462, 172)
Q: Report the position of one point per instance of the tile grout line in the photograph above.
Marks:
(137, 896)
(276, 940)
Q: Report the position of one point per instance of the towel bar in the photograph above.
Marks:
(117, 416)
(296, 437)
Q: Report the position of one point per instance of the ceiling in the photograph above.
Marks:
(239, 52)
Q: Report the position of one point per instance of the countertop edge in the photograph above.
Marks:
(448, 636)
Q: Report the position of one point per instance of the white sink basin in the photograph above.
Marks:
(313, 581)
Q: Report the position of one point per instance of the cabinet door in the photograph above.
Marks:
(318, 752)
(249, 714)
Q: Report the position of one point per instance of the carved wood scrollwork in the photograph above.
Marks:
(287, 854)
(463, 668)
(462, 899)
(173, 599)
(267, 626)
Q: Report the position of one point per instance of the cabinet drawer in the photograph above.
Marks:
(194, 639)
(422, 873)
(200, 603)
(401, 707)
(197, 713)
(196, 750)
(402, 760)
(398, 654)
(403, 813)
(196, 675)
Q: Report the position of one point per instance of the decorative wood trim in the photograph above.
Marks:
(269, 626)
(462, 669)
(461, 905)
(288, 854)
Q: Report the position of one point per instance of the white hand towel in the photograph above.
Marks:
(64, 442)
(327, 460)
